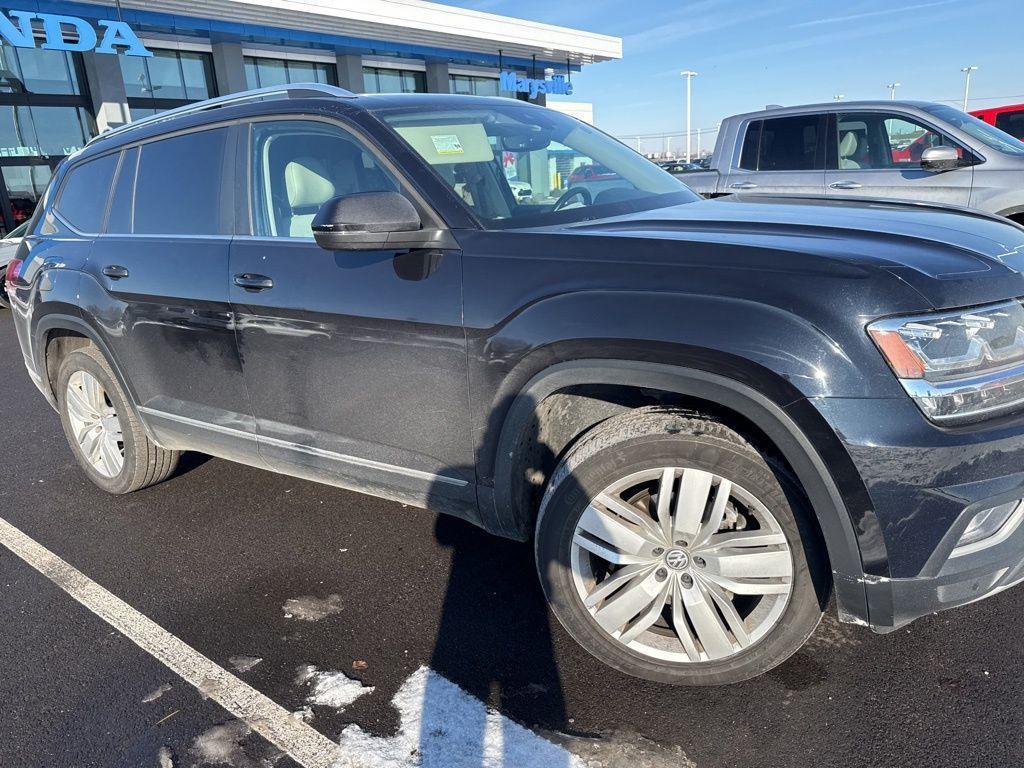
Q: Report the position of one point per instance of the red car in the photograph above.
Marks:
(591, 173)
(1009, 118)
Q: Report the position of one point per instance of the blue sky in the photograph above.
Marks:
(750, 54)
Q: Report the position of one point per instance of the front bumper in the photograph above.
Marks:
(925, 485)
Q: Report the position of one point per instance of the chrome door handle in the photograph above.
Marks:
(743, 185)
(845, 185)
(253, 282)
(115, 272)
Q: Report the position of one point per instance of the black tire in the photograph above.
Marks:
(657, 437)
(5, 303)
(145, 463)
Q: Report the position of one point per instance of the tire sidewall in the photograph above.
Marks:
(80, 360)
(572, 490)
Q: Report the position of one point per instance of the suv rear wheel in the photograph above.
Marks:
(669, 548)
(103, 430)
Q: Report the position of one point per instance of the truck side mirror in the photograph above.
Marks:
(940, 159)
(365, 221)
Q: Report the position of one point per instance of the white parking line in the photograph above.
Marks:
(304, 744)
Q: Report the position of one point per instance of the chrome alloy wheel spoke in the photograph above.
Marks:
(94, 424)
(659, 559)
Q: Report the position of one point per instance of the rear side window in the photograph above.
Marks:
(179, 186)
(1012, 123)
(791, 144)
(751, 142)
(83, 197)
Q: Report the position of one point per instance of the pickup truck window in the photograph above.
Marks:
(872, 140)
(987, 134)
(784, 144)
(519, 166)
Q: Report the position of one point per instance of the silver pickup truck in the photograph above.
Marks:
(905, 150)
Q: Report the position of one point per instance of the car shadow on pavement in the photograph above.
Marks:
(494, 641)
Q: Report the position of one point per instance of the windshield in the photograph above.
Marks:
(987, 134)
(517, 165)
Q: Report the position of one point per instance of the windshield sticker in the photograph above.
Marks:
(447, 144)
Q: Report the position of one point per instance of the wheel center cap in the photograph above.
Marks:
(677, 559)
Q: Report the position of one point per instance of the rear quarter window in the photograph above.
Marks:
(83, 195)
(748, 158)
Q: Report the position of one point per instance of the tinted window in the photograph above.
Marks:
(298, 165)
(748, 159)
(791, 144)
(1012, 123)
(178, 185)
(83, 198)
(119, 221)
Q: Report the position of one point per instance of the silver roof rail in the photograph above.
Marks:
(290, 91)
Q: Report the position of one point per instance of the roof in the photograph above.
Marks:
(832, 106)
(414, 22)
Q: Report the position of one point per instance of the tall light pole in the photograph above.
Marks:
(689, 74)
(839, 96)
(967, 83)
(892, 90)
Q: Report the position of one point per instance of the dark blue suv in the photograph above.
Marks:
(708, 416)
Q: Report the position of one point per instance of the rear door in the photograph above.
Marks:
(781, 156)
(355, 360)
(878, 154)
(159, 289)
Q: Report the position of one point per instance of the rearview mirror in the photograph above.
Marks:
(365, 221)
(940, 159)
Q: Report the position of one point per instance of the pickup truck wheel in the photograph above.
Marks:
(669, 548)
(102, 429)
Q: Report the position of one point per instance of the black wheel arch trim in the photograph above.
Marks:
(504, 515)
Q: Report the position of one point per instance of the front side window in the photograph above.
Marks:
(517, 165)
(298, 165)
(83, 195)
(178, 185)
(877, 140)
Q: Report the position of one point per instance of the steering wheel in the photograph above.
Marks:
(569, 194)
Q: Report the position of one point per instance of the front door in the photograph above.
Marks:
(878, 154)
(355, 361)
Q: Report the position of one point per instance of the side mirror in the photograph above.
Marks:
(365, 221)
(940, 159)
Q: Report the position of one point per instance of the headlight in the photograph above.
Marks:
(958, 366)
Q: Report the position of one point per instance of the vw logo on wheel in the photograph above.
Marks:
(677, 558)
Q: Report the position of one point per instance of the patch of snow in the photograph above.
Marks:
(165, 758)
(330, 689)
(442, 726)
(305, 714)
(225, 745)
(154, 695)
(309, 608)
(244, 663)
(623, 750)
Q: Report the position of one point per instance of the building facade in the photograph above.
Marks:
(69, 70)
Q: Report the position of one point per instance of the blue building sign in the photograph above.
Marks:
(16, 29)
(510, 81)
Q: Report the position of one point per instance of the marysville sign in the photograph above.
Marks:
(16, 29)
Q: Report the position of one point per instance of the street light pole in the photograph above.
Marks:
(839, 96)
(689, 74)
(967, 83)
(892, 90)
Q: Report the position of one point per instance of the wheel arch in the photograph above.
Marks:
(786, 423)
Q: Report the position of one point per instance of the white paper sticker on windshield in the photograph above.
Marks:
(447, 144)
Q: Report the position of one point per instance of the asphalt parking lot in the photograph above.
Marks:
(242, 564)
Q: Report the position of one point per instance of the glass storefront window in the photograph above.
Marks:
(261, 72)
(43, 131)
(473, 86)
(25, 185)
(34, 70)
(384, 80)
(173, 75)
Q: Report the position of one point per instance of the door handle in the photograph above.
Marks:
(253, 282)
(744, 185)
(845, 185)
(115, 271)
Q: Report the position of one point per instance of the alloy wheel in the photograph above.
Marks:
(681, 565)
(94, 424)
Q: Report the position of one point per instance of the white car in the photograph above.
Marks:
(9, 247)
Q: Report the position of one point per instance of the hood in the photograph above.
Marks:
(952, 257)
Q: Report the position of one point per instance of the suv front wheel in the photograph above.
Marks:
(669, 548)
(102, 429)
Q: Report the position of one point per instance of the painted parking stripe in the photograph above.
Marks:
(302, 742)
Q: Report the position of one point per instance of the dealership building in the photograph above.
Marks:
(70, 70)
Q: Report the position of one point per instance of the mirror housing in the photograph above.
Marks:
(367, 221)
(940, 159)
